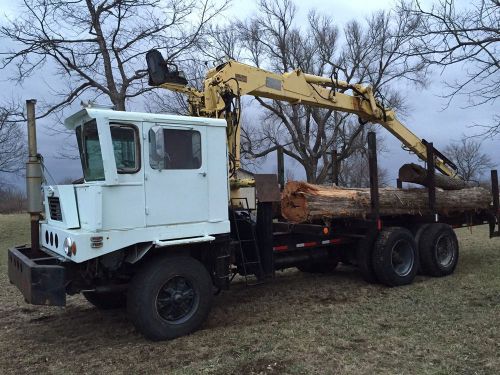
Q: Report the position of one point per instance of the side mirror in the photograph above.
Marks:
(159, 72)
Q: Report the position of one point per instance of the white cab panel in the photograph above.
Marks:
(61, 207)
(90, 206)
(175, 199)
(175, 194)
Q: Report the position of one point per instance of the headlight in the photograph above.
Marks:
(68, 246)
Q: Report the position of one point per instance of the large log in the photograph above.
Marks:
(416, 174)
(302, 202)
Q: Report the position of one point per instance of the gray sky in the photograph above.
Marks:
(427, 117)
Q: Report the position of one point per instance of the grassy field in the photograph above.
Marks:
(299, 324)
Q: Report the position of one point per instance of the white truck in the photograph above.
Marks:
(156, 223)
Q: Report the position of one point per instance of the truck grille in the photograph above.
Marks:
(55, 208)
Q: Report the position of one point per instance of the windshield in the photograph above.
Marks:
(90, 151)
(125, 147)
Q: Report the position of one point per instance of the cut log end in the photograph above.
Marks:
(294, 202)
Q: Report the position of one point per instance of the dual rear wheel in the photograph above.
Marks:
(438, 250)
(395, 255)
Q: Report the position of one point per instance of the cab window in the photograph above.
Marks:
(125, 140)
(174, 148)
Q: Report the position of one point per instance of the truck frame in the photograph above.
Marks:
(157, 224)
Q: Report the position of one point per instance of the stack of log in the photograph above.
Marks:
(304, 202)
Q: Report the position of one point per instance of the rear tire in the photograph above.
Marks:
(170, 297)
(417, 234)
(395, 258)
(107, 300)
(438, 249)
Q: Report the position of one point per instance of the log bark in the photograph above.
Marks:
(302, 202)
(416, 174)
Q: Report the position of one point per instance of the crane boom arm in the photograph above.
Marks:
(235, 79)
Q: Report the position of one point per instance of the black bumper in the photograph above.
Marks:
(39, 276)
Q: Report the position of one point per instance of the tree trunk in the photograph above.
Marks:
(416, 174)
(303, 202)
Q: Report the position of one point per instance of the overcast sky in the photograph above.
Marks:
(428, 117)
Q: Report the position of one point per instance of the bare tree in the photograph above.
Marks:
(449, 34)
(97, 48)
(354, 171)
(12, 200)
(469, 159)
(368, 53)
(12, 140)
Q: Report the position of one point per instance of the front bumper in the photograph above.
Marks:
(38, 275)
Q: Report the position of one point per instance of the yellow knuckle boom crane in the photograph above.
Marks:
(233, 79)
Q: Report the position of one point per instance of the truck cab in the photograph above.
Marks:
(147, 179)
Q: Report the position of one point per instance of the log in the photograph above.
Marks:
(303, 202)
(416, 174)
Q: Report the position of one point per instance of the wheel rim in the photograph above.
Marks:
(177, 300)
(445, 253)
(402, 258)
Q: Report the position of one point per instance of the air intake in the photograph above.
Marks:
(55, 208)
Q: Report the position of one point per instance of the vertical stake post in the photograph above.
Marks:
(431, 180)
(264, 229)
(373, 169)
(335, 167)
(496, 198)
(399, 183)
(281, 167)
(494, 190)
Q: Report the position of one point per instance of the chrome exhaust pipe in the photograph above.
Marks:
(33, 177)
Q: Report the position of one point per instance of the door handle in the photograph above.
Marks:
(204, 174)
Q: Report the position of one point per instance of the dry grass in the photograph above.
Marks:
(299, 324)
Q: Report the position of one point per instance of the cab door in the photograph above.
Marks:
(176, 186)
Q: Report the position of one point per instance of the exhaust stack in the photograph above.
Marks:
(33, 177)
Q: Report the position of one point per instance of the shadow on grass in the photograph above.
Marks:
(240, 306)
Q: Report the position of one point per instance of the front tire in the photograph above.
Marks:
(395, 258)
(169, 297)
(438, 248)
